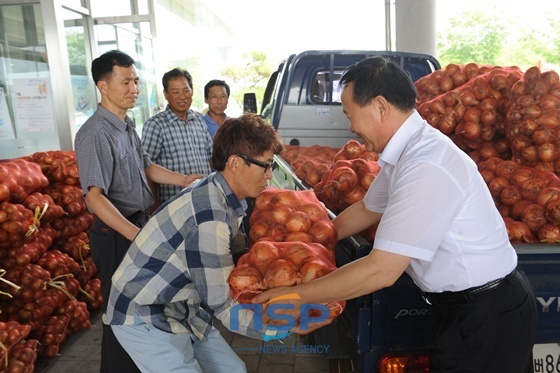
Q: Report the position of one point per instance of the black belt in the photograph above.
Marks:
(455, 298)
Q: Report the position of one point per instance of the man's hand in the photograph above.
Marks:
(311, 327)
(190, 178)
(289, 305)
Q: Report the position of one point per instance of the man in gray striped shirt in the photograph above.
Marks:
(114, 172)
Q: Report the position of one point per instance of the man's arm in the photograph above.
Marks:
(162, 175)
(109, 214)
(355, 219)
(378, 270)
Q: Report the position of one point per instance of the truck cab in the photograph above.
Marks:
(302, 97)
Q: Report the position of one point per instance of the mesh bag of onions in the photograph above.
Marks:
(270, 264)
(533, 119)
(528, 199)
(291, 215)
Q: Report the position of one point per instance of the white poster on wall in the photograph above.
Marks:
(6, 129)
(33, 104)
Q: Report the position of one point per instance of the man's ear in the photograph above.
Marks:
(233, 163)
(102, 86)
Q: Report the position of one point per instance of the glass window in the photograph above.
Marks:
(82, 85)
(320, 87)
(27, 121)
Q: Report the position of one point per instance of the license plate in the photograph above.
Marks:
(546, 358)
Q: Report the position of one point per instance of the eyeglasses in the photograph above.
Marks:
(266, 165)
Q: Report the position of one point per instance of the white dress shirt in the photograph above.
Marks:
(438, 210)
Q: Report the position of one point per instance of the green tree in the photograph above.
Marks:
(472, 37)
(249, 76)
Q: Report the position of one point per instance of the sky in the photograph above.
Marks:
(350, 24)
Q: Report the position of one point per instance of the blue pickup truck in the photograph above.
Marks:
(302, 101)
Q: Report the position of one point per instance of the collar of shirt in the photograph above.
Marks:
(115, 120)
(397, 143)
(171, 116)
(238, 206)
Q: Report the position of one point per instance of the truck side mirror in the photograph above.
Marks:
(249, 103)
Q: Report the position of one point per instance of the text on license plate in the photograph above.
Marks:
(546, 358)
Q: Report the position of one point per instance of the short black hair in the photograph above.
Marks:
(176, 73)
(378, 76)
(214, 83)
(102, 66)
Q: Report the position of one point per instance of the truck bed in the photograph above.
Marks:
(396, 318)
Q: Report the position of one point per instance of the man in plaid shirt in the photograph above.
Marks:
(177, 138)
(174, 277)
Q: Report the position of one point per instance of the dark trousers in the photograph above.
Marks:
(493, 333)
(108, 249)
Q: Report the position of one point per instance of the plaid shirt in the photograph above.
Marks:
(175, 273)
(184, 147)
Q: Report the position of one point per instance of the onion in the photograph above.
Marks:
(547, 194)
(519, 232)
(244, 277)
(468, 99)
(263, 253)
(315, 211)
(548, 102)
(297, 253)
(446, 83)
(452, 68)
(323, 232)
(549, 233)
(531, 189)
(521, 175)
(352, 149)
(459, 78)
(285, 197)
(314, 269)
(506, 168)
(489, 117)
(496, 185)
(552, 210)
(298, 221)
(281, 273)
(469, 130)
(437, 106)
(344, 178)
(543, 135)
(534, 216)
(518, 207)
(510, 194)
(471, 115)
(547, 152)
(550, 78)
(280, 214)
(451, 98)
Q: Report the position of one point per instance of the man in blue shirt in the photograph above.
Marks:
(174, 276)
(216, 95)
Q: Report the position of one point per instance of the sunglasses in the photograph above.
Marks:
(266, 165)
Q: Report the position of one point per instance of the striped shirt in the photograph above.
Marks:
(182, 147)
(174, 275)
(110, 156)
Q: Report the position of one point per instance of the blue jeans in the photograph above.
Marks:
(154, 350)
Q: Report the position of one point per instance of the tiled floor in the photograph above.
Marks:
(82, 352)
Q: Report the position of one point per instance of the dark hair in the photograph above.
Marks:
(248, 134)
(102, 66)
(378, 76)
(214, 83)
(176, 73)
